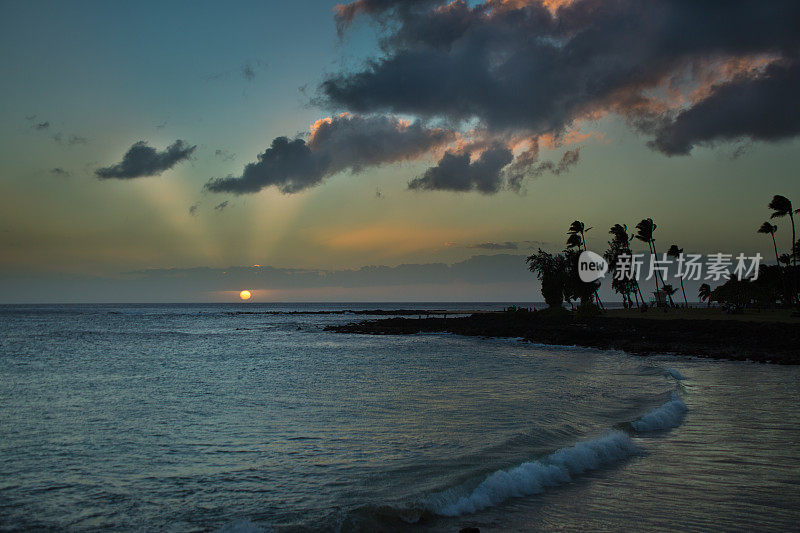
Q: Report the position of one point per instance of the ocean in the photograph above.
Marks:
(250, 417)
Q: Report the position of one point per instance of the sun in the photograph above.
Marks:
(245, 295)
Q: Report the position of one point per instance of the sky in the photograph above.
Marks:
(379, 150)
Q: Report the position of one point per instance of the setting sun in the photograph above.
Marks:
(245, 295)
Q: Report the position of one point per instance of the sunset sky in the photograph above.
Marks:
(157, 151)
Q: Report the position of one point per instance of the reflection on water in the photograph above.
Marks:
(192, 417)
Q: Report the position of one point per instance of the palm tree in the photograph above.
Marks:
(669, 290)
(577, 235)
(704, 293)
(782, 206)
(770, 229)
(620, 245)
(577, 239)
(676, 252)
(552, 271)
(644, 232)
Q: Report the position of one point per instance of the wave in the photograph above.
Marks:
(533, 477)
(667, 416)
(557, 468)
(675, 374)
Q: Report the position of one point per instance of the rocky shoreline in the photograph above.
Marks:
(765, 342)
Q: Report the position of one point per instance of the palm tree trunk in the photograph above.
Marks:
(597, 296)
(794, 257)
(685, 301)
(786, 293)
(658, 275)
(652, 247)
(638, 288)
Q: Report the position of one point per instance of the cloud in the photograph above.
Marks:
(193, 209)
(457, 172)
(681, 73)
(758, 109)
(346, 13)
(58, 171)
(476, 269)
(42, 126)
(72, 140)
(342, 143)
(225, 155)
(508, 245)
(247, 72)
(142, 160)
(221, 206)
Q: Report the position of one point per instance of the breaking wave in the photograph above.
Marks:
(533, 477)
(668, 416)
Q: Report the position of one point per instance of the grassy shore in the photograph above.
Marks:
(775, 338)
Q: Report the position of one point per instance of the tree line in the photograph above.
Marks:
(775, 285)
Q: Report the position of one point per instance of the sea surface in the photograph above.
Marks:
(250, 417)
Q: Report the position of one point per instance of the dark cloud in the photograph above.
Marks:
(42, 126)
(763, 108)
(342, 143)
(142, 160)
(58, 171)
(522, 67)
(193, 209)
(568, 160)
(457, 172)
(221, 206)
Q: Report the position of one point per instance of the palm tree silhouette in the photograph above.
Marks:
(676, 252)
(577, 238)
(620, 245)
(669, 290)
(704, 293)
(644, 232)
(782, 206)
(770, 229)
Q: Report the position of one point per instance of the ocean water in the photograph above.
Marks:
(252, 418)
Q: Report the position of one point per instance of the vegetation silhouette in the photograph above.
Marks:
(772, 286)
(677, 253)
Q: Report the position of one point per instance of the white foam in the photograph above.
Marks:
(667, 416)
(533, 477)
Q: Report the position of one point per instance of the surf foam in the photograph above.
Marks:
(533, 477)
(667, 416)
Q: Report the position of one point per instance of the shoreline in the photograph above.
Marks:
(762, 342)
